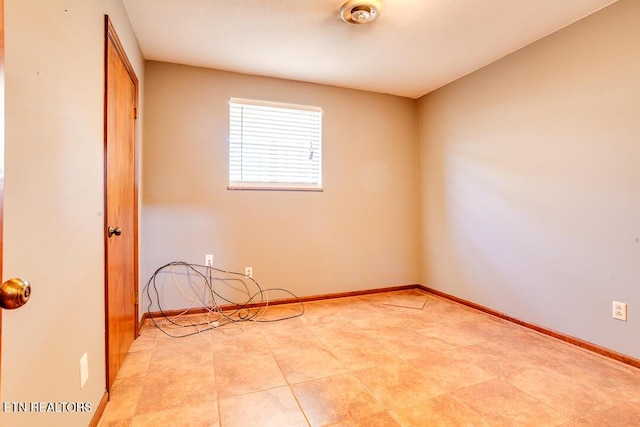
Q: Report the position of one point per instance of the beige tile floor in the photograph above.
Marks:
(360, 361)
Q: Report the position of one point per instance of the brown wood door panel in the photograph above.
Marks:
(121, 204)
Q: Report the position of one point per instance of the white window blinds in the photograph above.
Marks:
(274, 146)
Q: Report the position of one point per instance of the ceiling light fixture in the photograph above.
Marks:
(360, 11)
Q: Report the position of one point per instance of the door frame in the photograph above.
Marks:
(112, 37)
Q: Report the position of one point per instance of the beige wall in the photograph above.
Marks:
(360, 233)
(530, 181)
(54, 206)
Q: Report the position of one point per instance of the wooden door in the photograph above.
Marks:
(121, 200)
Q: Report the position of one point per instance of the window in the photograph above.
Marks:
(274, 146)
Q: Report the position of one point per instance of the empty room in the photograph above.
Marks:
(320, 213)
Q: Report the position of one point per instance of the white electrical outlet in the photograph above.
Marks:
(84, 369)
(248, 271)
(620, 310)
(208, 260)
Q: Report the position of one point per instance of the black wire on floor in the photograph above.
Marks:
(212, 316)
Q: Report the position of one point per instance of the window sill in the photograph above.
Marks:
(268, 188)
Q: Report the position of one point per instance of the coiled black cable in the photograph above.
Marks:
(249, 310)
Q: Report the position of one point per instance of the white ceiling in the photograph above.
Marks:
(414, 47)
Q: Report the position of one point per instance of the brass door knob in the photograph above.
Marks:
(111, 231)
(14, 293)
